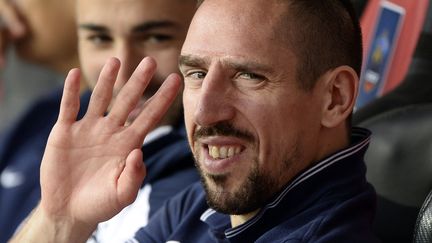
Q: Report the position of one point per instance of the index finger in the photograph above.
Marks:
(70, 101)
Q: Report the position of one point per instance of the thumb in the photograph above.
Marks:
(131, 178)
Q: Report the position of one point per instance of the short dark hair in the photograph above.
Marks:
(199, 2)
(325, 34)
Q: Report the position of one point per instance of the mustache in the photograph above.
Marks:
(223, 129)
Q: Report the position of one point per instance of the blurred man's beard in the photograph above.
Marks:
(249, 196)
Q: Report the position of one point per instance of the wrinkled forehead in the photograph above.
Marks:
(237, 28)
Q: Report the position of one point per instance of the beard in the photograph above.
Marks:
(254, 191)
(252, 194)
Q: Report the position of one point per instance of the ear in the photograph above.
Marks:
(340, 86)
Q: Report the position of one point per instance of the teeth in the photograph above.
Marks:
(223, 152)
(214, 152)
(231, 151)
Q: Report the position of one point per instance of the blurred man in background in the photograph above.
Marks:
(131, 30)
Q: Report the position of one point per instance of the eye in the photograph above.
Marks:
(195, 75)
(99, 39)
(251, 76)
(193, 78)
(153, 39)
(157, 38)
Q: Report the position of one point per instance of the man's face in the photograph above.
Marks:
(51, 33)
(250, 126)
(131, 30)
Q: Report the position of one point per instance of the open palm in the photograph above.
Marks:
(92, 168)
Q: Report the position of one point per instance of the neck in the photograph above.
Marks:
(332, 141)
(237, 220)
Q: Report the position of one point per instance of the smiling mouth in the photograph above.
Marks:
(223, 152)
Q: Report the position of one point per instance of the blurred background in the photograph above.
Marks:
(20, 84)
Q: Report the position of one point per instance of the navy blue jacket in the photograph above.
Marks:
(170, 166)
(329, 202)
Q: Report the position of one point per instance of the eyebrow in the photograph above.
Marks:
(193, 61)
(93, 27)
(197, 61)
(143, 27)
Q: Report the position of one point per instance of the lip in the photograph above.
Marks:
(220, 166)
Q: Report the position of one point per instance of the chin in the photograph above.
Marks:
(239, 199)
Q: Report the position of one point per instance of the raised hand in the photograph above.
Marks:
(93, 168)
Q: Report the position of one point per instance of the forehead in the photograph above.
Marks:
(248, 29)
(131, 12)
(45, 3)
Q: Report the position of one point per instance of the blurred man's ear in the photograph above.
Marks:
(340, 85)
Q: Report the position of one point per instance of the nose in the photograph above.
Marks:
(129, 58)
(216, 101)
